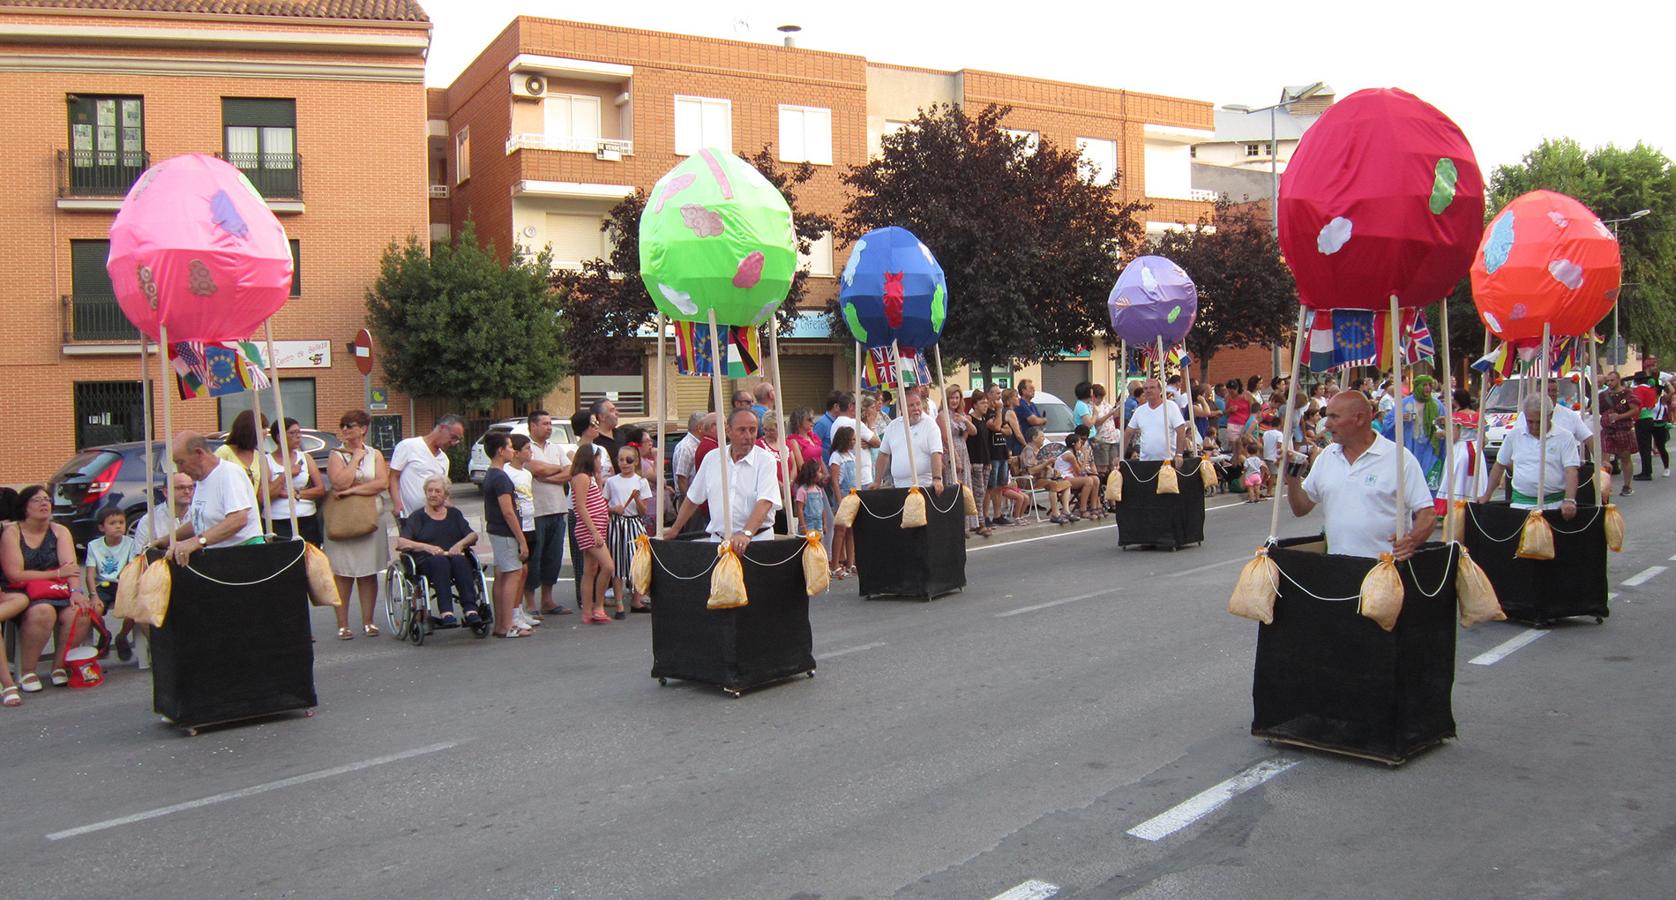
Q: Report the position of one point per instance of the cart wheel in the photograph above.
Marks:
(733, 693)
(1599, 620)
(308, 713)
(417, 630)
(809, 674)
(190, 732)
(663, 682)
(480, 631)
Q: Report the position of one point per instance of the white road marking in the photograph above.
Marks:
(1033, 889)
(1049, 537)
(1060, 602)
(1644, 576)
(1505, 649)
(848, 650)
(1209, 566)
(251, 791)
(1208, 801)
(1673, 559)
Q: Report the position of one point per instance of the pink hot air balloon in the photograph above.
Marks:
(196, 250)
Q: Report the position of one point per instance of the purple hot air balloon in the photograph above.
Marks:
(1153, 299)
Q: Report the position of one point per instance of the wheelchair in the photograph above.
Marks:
(410, 606)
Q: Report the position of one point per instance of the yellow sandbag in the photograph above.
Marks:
(1114, 485)
(817, 568)
(640, 565)
(1455, 521)
(1475, 597)
(1536, 539)
(1382, 593)
(970, 502)
(153, 599)
(128, 588)
(322, 587)
(1256, 589)
(847, 508)
(913, 509)
(727, 580)
(1614, 529)
(1167, 479)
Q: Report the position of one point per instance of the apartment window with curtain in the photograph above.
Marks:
(462, 156)
(806, 135)
(107, 144)
(702, 122)
(572, 122)
(260, 138)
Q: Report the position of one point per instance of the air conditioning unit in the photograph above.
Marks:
(525, 84)
(613, 150)
(439, 192)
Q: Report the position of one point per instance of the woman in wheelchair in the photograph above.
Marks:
(436, 538)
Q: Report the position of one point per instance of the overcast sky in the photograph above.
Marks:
(1510, 74)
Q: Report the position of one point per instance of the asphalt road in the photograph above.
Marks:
(1011, 734)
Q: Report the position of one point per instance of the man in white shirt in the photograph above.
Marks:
(154, 527)
(418, 458)
(1568, 420)
(926, 468)
(223, 510)
(1522, 451)
(752, 489)
(549, 466)
(686, 451)
(1355, 482)
(1157, 428)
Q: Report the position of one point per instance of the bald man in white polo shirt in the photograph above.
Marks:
(1355, 482)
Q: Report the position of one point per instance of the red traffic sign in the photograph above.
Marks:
(362, 348)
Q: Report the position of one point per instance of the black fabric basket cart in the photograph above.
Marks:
(766, 641)
(1539, 591)
(236, 643)
(1166, 521)
(924, 562)
(1330, 679)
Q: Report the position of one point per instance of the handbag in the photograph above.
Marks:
(44, 589)
(347, 518)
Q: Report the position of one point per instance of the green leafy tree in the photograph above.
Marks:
(1613, 182)
(456, 324)
(1246, 294)
(605, 305)
(1029, 242)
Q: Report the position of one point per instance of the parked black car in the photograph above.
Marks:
(114, 474)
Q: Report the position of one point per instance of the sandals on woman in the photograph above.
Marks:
(344, 634)
(60, 677)
(10, 696)
(370, 629)
(29, 683)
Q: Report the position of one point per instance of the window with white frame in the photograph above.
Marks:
(818, 261)
(892, 126)
(1030, 138)
(462, 156)
(571, 122)
(1102, 154)
(806, 135)
(1253, 149)
(702, 122)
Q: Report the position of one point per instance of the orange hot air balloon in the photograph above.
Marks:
(1545, 259)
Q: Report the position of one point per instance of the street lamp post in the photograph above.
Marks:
(1613, 224)
(1274, 167)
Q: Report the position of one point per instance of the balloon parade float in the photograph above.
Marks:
(1546, 273)
(1160, 501)
(909, 539)
(1381, 209)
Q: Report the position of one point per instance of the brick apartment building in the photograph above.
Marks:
(555, 122)
(322, 105)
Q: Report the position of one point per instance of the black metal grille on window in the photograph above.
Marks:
(91, 312)
(109, 412)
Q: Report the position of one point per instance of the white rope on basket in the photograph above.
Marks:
(1559, 530)
(703, 572)
(1139, 479)
(1454, 557)
(798, 555)
(1521, 528)
(300, 554)
(1357, 596)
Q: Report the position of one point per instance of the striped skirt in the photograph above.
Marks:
(624, 529)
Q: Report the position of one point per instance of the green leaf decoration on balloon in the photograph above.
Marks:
(856, 330)
(1443, 185)
(1175, 313)
(939, 309)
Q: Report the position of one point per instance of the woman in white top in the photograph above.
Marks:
(358, 470)
(1069, 467)
(305, 486)
(626, 495)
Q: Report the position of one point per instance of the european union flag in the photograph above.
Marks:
(1355, 341)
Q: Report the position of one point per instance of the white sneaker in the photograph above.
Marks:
(1667, 473)
(519, 621)
(530, 619)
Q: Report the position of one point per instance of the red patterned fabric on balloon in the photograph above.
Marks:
(1545, 259)
(1383, 198)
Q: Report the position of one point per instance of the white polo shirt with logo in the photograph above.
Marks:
(1359, 499)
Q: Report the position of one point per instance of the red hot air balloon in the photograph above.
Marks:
(1382, 198)
(1545, 259)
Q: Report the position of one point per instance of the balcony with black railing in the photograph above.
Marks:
(96, 318)
(99, 174)
(277, 176)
